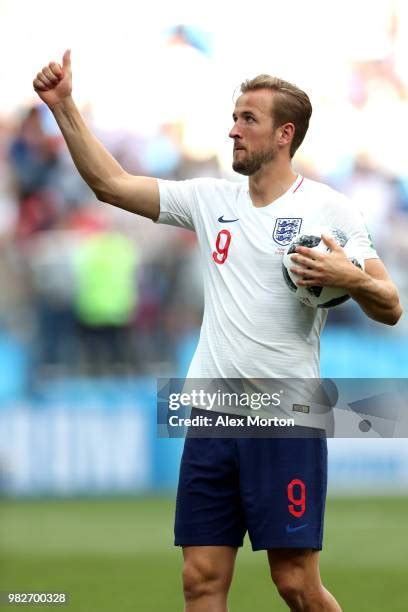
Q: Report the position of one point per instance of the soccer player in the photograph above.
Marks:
(253, 327)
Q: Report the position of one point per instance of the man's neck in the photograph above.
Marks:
(270, 183)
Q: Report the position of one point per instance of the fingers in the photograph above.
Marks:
(40, 83)
(306, 276)
(306, 269)
(304, 261)
(66, 59)
(311, 254)
(303, 272)
(49, 77)
(55, 69)
(309, 282)
(330, 242)
(43, 82)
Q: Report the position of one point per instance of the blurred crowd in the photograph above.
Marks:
(87, 288)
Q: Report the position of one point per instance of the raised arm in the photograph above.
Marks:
(104, 175)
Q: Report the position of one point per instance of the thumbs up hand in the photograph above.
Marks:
(54, 83)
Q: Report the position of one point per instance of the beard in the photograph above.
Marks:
(253, 162)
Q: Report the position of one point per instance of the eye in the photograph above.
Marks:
(249, 119)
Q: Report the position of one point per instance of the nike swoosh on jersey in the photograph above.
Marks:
(222, 220)
(290, 529)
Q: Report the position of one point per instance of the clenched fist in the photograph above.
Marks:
(54, 83)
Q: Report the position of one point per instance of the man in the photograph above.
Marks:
(252, 327)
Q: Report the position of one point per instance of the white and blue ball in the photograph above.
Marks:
(316, 296)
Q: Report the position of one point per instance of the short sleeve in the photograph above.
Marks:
(178, 203)
(352, 221)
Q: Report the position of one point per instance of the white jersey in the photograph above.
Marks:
(253, 326)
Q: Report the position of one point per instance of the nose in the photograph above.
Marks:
(234, 132)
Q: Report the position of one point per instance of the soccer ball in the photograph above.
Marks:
(317, 297)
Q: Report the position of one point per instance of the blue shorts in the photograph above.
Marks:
(274, 488)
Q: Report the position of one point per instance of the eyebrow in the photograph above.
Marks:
(244, 112)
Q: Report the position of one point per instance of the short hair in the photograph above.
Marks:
(290, 104)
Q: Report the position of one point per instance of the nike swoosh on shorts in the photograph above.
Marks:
(290, 529)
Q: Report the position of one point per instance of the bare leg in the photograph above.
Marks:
(207, 575)
(297, 577)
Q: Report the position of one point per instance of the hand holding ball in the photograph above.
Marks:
(317, 296)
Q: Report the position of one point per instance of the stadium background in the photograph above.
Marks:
(96, 303)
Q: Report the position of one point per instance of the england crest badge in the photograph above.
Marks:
(285, 229)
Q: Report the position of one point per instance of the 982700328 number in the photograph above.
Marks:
(26, 598)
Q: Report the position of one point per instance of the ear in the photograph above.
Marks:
(286, 133)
